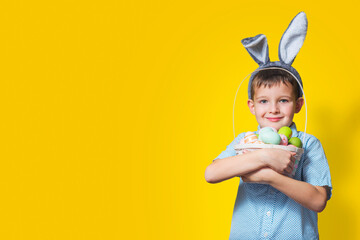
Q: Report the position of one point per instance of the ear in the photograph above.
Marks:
(251, 106)
(258, 48)
(299, 104)
(293, 38)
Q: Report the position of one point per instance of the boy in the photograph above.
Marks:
(269, 204)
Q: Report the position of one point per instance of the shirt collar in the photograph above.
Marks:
(292, 127)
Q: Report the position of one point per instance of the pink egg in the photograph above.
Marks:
(284, 140)
(250, 137)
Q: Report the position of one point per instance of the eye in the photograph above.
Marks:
(284, 100)
(263, 101)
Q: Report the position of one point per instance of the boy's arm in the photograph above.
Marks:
(222, 169)
(226, 168)
(309, 196)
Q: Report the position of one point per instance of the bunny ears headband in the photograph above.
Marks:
(290, 44)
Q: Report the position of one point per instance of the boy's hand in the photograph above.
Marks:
(280, 160)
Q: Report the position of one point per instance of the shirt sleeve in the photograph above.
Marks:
(316, 169)
(230, 151)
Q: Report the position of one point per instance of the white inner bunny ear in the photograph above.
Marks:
(258, 48)
(293, 39)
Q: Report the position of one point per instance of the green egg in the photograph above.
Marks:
(286, 131)
(296, 142)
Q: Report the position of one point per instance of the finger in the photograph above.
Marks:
(289, 170)
(292, 164)
(287, 173)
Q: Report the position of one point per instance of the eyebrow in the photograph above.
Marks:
(283, 96)
(261, 97)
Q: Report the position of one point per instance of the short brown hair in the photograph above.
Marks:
(271, 77)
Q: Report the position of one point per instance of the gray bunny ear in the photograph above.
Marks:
(293, 38)
(258, 48)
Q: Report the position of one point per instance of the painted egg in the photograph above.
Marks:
(295, 141)
(259, 142)
(270, 137)
(267, 129)
(284, 140)
(285, 131)
(250, 137)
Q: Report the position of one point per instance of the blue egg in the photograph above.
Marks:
(267, 129)
(270, 137)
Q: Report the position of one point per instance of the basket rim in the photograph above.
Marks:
(260, 146)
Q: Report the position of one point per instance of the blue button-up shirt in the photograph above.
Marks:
(263, 212)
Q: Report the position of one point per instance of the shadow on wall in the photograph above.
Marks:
(340, 213)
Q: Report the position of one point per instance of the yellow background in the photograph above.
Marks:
(112, 110)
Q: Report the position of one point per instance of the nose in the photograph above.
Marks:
(274, 108)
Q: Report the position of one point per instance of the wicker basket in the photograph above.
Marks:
(252, 147)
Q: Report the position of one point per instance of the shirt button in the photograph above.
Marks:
(268, 213)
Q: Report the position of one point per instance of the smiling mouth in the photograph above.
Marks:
(274, 119)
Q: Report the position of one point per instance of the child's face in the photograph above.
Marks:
(275, 106)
